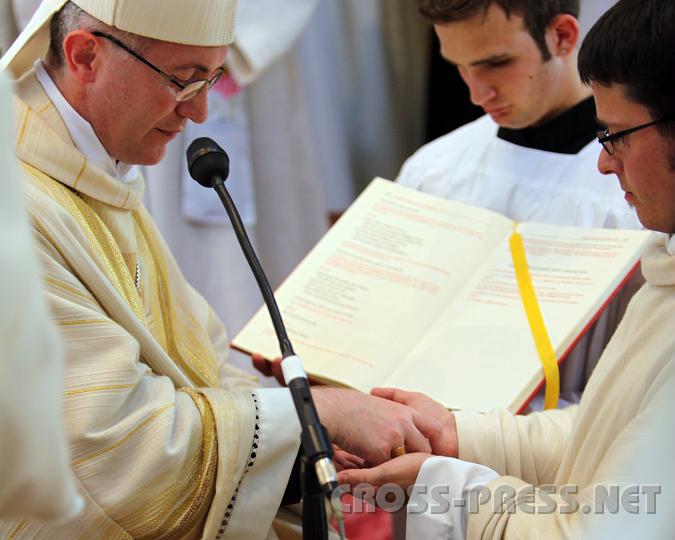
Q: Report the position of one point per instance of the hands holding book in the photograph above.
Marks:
(269, 368)
(342, 289)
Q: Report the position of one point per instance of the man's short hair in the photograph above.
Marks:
(71, 17)
(537, 14)
(633, 44)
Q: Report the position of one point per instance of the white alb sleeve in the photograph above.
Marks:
(260, 492)
(440, 501)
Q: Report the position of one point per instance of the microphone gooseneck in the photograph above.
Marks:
(209, 165)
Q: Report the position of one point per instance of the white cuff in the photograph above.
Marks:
(263, 486)
(439, 504)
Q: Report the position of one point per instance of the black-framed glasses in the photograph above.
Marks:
(607, 139)
(187, 90)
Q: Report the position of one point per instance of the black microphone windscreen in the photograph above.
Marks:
(207, 160)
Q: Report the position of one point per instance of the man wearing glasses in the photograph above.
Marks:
(532, 156)
(167, 440)
(586, 471)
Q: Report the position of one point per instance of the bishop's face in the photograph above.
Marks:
(644, 161)
(133, 109)
(503, 67)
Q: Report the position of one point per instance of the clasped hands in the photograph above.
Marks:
(367, 429)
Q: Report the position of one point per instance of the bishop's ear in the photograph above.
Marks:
(80, 49)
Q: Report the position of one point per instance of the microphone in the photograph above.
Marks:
(206, 161)
(209, 165)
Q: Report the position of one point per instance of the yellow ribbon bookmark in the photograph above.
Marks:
(534, 317)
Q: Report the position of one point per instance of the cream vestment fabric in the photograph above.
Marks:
(34, 475)
(166, 438)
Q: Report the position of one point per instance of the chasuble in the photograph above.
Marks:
(167, 440)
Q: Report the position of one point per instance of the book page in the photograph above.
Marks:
(480, 355)
(367, 293)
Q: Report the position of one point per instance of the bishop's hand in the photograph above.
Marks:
(372, 427)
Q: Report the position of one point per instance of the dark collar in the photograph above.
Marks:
(567, 133)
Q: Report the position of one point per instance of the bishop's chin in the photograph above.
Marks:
(151, 153)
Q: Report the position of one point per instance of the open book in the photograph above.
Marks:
(417, 292)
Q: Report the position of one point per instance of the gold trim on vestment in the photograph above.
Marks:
(182, 502)
(44, 108)
(196, 491)
(93, 389)
(25, 115)
(186, 341)
(84, 322)
(79, 174)
(57, 283)
(16, 530)
(100, 238)
(150, 290)
(195, 507)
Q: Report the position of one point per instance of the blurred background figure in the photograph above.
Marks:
(36, 479)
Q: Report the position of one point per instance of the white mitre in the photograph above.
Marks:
(197, 22)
